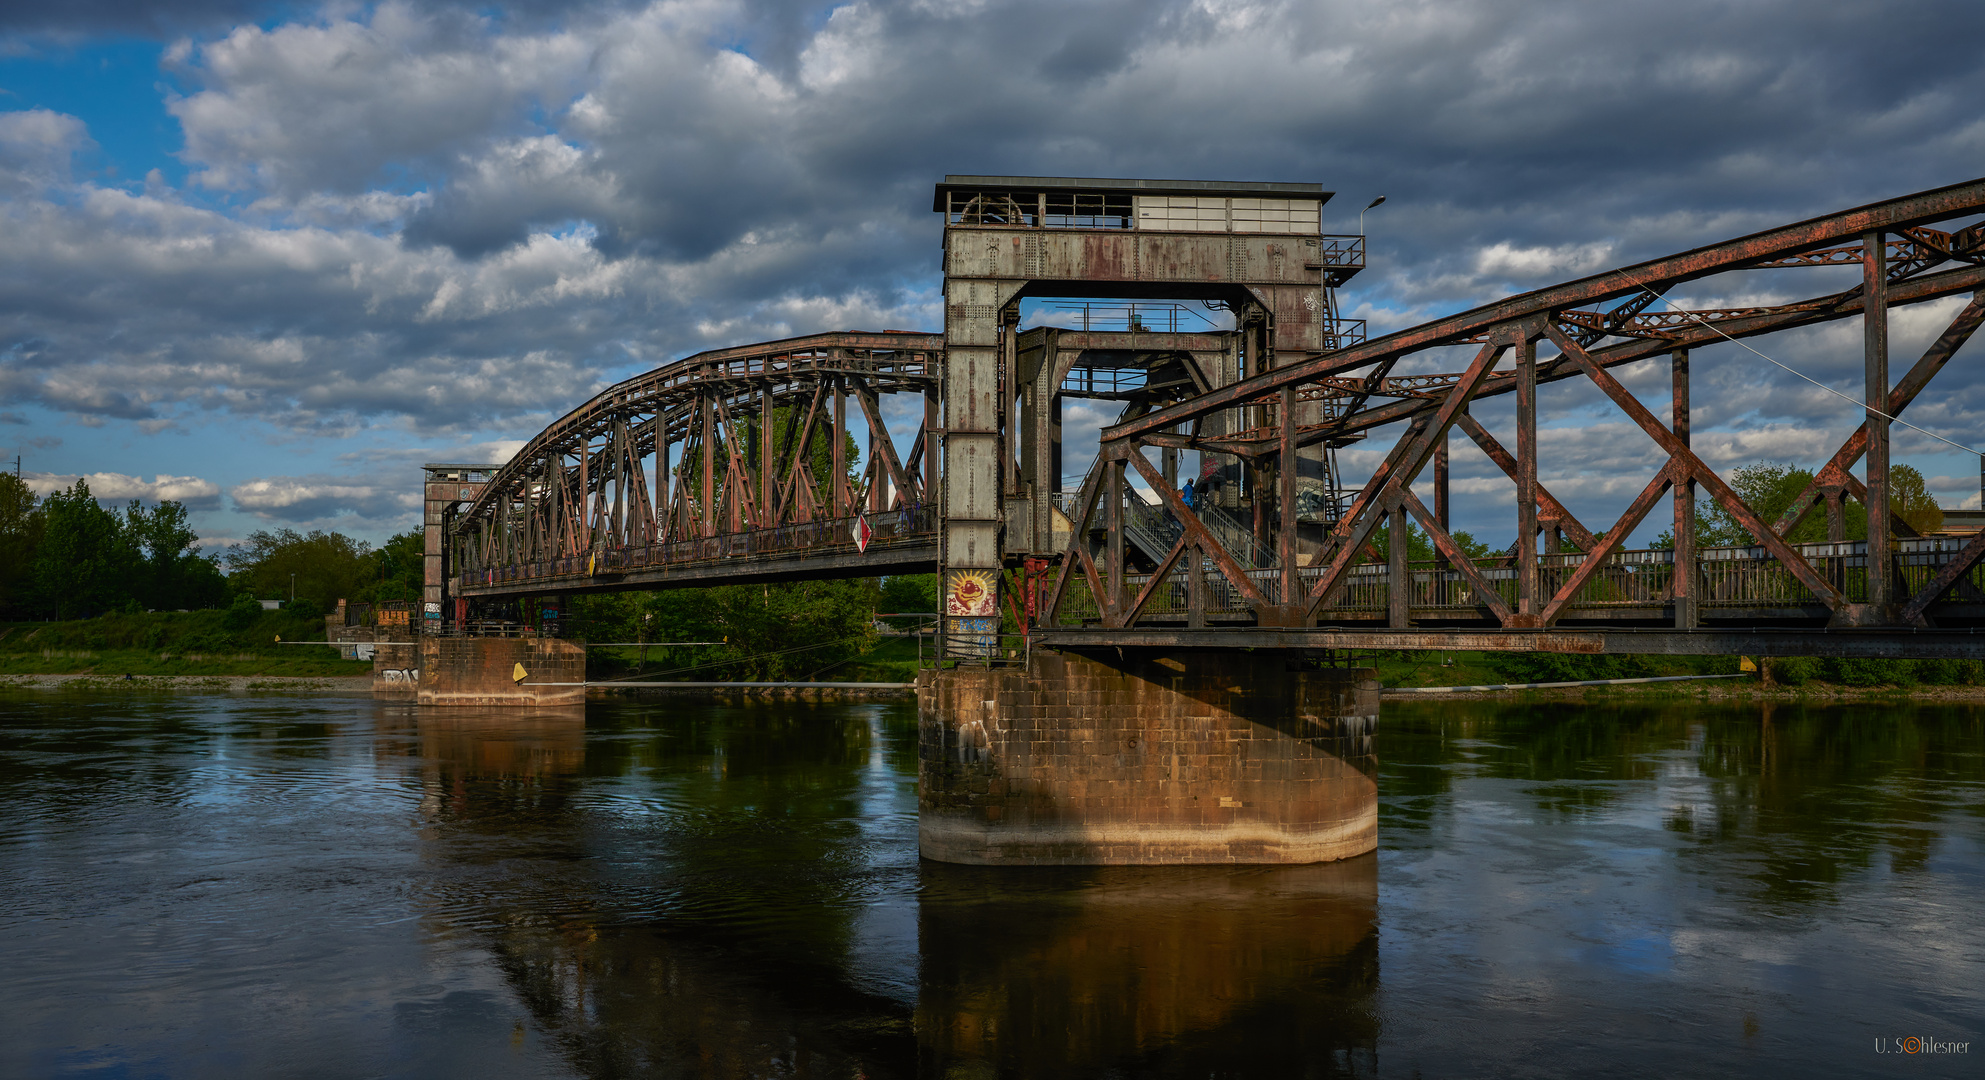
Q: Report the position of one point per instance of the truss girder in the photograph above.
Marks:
(582, 486)
(1593, 325)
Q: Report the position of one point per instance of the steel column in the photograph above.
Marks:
(1440, 495)
(1527, 605)
(1682, 579)
(1875, 348)
(1398, 577)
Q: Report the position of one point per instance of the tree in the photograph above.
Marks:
(399, 567)
(171, 574)
(20, 536)
(785, 630)
(321, 567)
(85, 561)
(1911, 501)
(1420, 546)
(910, 592)
(1770, 488)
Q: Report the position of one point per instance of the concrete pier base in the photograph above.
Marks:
(1151, 758)
(479, 671)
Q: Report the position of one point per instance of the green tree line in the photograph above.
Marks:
(66, 556)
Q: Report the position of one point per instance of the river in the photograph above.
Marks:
(296, 886)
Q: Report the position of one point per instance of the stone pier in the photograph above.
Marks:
(483, 671)
(1147, 757)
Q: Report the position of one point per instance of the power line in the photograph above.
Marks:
(1679, 310)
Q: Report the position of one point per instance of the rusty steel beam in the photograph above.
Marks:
(1919, 290)
(1411, 454)
(1875, 356)
(1451, 551)
(1966, 558)
(1911, 210)
(1859, 642)
(1549, 508)
(1707, 477)
(1682, 580)
(1834, 473)
(1615, 536)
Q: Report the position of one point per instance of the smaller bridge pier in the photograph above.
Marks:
(1147, 757)
(483, 671)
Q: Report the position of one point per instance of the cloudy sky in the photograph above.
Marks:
(266, 258)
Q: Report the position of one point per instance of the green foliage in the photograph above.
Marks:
(176, 643)
(1524, 667)
(399, 568)
(68, 556)
(1911, 501)
(20, 535)
(324, 567)
(1420, 547)
(242, 613)
(170, 574)
(85, 560)
(1771, 488)
(911, 593)
(783, 631)
(1804, 670)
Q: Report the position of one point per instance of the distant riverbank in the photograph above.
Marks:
(1721, 692)
(236, 684)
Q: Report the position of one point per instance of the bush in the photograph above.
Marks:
(241, 613)
(1950, 672)
(1562, 667)
(1794, 670)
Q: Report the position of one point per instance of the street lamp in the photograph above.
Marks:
(1361, 213)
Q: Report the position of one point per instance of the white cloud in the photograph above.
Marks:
(318, 498)
(1508, 261)
(36, 147)
(109, 487)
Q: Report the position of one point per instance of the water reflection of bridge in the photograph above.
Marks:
(692, 887)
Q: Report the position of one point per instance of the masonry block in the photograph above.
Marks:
(476, 671)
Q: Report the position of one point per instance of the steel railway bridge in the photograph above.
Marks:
(1205, 314)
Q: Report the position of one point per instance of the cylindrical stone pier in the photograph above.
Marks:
(1152, 758)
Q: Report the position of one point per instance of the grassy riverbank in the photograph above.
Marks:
(216, 643)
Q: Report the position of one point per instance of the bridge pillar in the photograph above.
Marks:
(483, 672)
(1152, 758)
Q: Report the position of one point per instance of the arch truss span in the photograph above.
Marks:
(1559, 573)
(761, 462)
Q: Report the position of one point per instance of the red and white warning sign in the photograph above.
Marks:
(862, 533)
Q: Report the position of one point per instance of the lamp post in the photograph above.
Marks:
(292, 588)
(1361, 214)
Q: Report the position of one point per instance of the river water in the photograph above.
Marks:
(294, 886)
